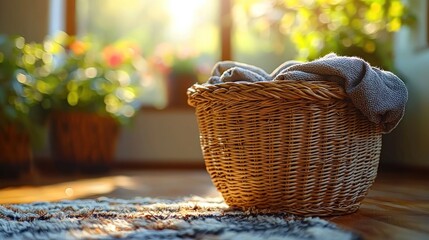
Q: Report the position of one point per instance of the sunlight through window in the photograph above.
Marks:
(173, 37)
(184, 16)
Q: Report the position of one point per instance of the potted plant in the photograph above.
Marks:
(179, 69)
(19, 115)
(94, 89)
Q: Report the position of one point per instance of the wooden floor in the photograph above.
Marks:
(397, 207)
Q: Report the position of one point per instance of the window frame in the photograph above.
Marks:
(225, 23)
(427, 24)
(70, 17)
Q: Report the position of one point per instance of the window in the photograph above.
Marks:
(256, 38)
(251, 31)
(211, 30)
(166, 31)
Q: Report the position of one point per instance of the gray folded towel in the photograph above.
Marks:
(380, 95)
(282, 67)
(229, 71)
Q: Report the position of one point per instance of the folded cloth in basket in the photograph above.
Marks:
(380, 95)
(229, 71)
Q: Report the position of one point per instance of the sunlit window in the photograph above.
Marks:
(174, 36)
(185, 36)
(256, 38)
(278, 30)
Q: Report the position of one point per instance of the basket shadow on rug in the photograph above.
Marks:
(148, 218)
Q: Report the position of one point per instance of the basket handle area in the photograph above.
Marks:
(248, 91)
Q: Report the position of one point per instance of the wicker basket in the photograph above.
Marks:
(83, 141)
(15, 151)
(291, 146)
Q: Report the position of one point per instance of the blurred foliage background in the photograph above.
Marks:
(315, 28)
(125, 50)
(18, 105)
(185, 36)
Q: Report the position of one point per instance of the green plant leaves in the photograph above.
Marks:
(347, 27)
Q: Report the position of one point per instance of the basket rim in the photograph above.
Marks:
(276, 89)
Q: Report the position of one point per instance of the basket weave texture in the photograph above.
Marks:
(83, 139)
(15, 151)
(15, 145)
(291, 146)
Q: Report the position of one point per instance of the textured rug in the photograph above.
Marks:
(148, 218)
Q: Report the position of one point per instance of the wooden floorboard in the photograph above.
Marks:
(397, 206)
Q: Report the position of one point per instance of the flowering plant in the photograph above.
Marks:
(17, 105)
(178, 69)
(184, 61)
(91, 77)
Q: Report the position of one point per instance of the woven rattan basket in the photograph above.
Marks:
(15, 151)
(83, 141)
(292, 146)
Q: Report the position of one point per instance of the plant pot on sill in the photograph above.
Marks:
(83, 142)
(15, 151)
(177, 85)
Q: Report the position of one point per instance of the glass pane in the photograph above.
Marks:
(271, 31)
(173, 36)
(256, 36)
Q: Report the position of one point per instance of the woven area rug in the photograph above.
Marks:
(148, 218)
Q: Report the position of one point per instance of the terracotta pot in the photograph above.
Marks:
(177, 85)
(15, 151)
(83, 141)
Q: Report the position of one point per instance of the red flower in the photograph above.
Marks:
(113, 57)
